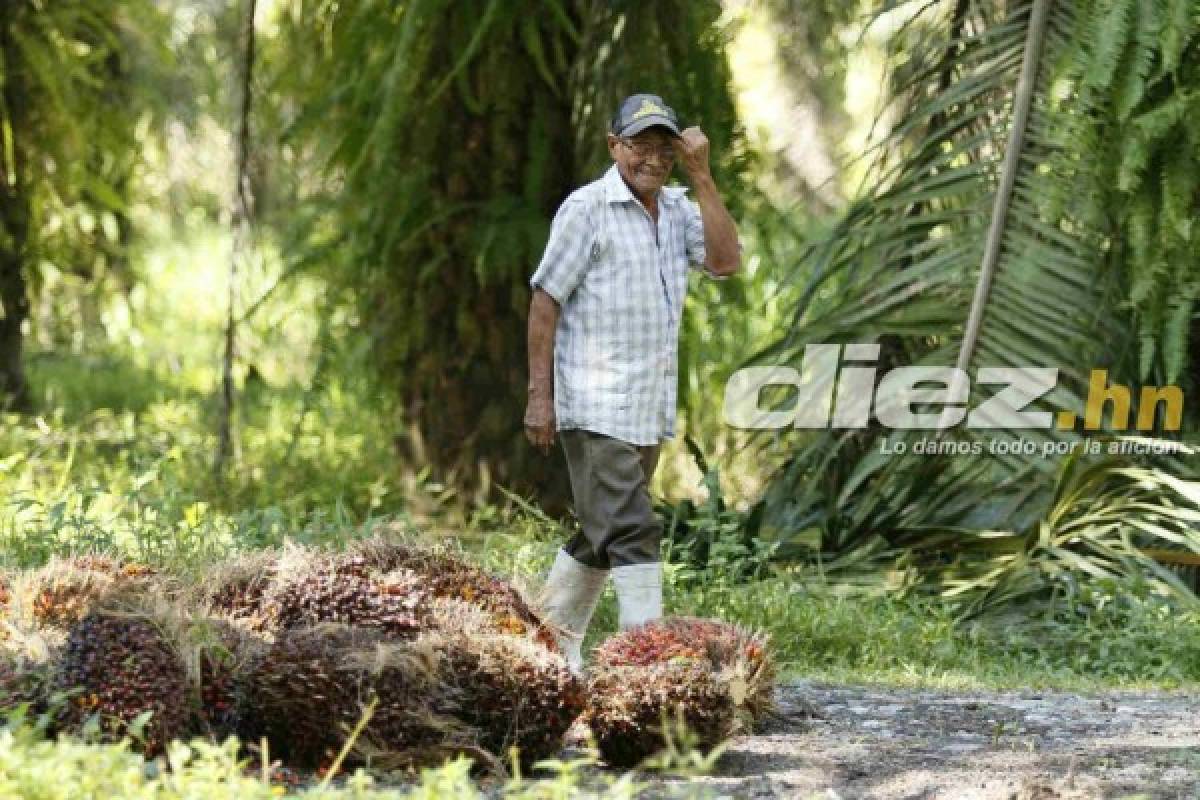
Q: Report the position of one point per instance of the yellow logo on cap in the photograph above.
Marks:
(649, 108)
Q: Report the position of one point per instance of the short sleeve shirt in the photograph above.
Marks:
(620, 282)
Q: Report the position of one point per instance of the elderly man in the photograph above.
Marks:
(603, 341)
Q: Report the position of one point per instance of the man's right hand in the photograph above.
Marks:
(539, 421)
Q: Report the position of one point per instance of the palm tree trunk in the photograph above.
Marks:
(14, 392)
(14, 234)
(226, 442)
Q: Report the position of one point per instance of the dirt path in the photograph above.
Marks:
(851, 742)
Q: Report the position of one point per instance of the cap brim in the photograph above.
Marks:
(650, 121)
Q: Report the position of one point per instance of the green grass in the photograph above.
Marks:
(131, 470)
(1117, 637)
(823, 636)
(35, 768)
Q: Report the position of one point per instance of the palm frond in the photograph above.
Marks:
(982, 169)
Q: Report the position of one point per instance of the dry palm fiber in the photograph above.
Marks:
(738, 656)
(123, 665)
(447, 574)
(513, 691)
(309, 689)
(627, 707)
(64, 590)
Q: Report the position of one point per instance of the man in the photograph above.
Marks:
(603, 342)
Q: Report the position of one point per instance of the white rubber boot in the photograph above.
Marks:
(568, 600)
(639, 593)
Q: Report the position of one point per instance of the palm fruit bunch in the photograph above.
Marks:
(311, 687)
(65, 590)
(236, 588)
(739, 656)
(717, 676)
(514, 692)
(447, 575)
(348, 590)
(629, 706)
(119, 665)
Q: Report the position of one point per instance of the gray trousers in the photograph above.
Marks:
(610, 481)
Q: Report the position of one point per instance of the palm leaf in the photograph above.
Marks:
(967, 245)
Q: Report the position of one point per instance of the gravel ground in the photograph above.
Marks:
(855, 742)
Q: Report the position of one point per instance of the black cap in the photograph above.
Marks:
(640, 111)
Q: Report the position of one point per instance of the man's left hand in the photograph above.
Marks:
(691, 148)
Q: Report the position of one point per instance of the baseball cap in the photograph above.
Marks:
(640, 111)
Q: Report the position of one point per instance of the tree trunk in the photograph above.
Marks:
(226, 442)
(14, 234)
(14, 392)
(465, 386)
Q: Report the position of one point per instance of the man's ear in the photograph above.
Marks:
(613, 141)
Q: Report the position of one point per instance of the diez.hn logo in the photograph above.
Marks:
(839, 390)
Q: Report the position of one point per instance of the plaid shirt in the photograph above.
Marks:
(621, 292)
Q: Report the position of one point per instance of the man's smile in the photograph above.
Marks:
(650, 176)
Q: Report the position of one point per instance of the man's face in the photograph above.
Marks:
(643, 160)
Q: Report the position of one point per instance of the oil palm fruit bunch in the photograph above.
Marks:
(235, 588)
(448, 575)
(64, 590)
(738, 656)
(717, 676)
(348, 591)
(312, 686)
(629, 706)
(514, 692)
(122, 666)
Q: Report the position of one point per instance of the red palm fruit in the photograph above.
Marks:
(626, 708)
(737, 655)
(447, 574)
(235, 588)
(311, 687)
(66, 589)
(121, 665)
(513, 692)
(345, 591)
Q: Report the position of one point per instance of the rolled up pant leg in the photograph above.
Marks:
(610, 480)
